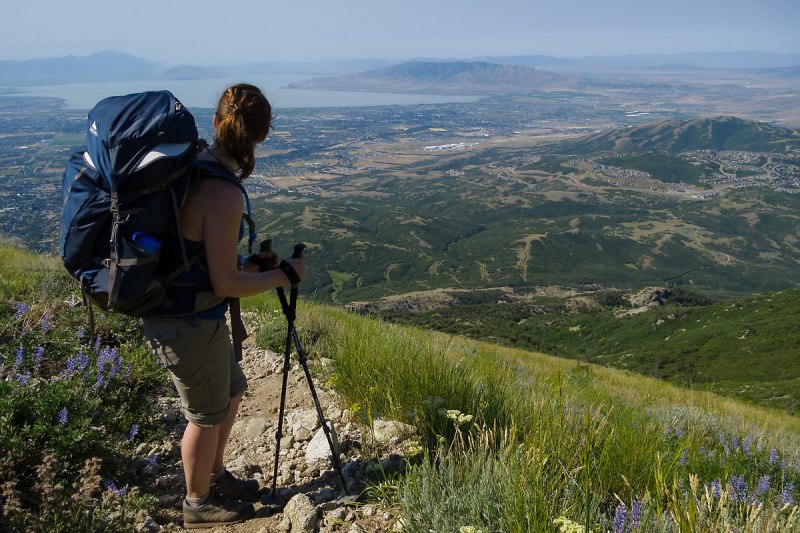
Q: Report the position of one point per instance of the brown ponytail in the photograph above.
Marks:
(243, 118)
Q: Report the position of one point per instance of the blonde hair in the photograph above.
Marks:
(243, 118)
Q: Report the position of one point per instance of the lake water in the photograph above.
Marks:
(205, 93)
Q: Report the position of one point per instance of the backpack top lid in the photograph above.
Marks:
(125, 133)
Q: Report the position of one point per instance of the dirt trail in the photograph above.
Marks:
(251, 452)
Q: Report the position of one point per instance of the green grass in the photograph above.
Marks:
(72, 408)
(506, 439)
(746, 348)
(549, 437)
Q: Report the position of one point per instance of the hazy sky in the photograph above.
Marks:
(231, 31)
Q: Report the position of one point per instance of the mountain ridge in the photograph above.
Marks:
(721, 132)
(461, 77)
(107, 65)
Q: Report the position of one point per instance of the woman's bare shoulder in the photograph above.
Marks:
(216, 192)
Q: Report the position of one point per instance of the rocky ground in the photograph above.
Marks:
(307, 478)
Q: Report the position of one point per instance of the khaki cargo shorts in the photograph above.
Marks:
(199, 356)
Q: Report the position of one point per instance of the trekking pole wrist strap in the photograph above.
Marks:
(287, 269)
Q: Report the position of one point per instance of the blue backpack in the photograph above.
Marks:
(121, 199)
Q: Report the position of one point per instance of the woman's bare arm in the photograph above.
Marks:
(222, 215)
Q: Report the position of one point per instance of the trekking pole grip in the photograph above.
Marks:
(263, 264)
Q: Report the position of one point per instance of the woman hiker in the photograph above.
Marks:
(197, 349)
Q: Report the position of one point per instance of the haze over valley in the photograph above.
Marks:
(566, 185)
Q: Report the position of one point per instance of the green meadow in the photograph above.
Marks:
(505, 439)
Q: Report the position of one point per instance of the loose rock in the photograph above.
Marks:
(301, 513)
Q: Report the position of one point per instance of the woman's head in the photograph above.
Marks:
(241, 122)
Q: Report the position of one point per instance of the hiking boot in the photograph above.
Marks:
(216, 512)
(232, 488)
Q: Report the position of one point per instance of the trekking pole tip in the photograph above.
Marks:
(298, 250)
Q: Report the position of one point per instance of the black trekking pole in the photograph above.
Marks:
(289, 310)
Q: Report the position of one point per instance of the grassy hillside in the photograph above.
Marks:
(73, 408)
(505, 439)
(519, 441)
(748, 349)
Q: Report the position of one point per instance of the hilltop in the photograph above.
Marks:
(456, 77)
(704, 133)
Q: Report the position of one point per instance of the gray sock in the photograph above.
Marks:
(197, 503)
(216, 475)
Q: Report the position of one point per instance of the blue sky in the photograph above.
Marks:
(204, 32)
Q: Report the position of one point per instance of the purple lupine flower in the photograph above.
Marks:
(746, 444)
(23, 378)
(81, 333)
(636, 515)
(715, 487)
(45, 324)
(20, 309)
(735, 443)
(773, 456)
(702, 450)
(133, 432)
(101, 363)
(38, 355)
(683, 457)
(152, 459)
(97, 345)
(727, 449)
(115, 362)
(678, 432)
(19, 357)
(787, 495)
(620, 517)
(63, 416)
(76, 364)
(738, 488)
(763, 486)
(112, 487)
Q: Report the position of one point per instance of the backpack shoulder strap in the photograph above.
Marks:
(206, 170)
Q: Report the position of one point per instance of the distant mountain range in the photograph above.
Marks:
(116, 66)
(709, 133)
(711, 60)
(102, 66)
(459, 77)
